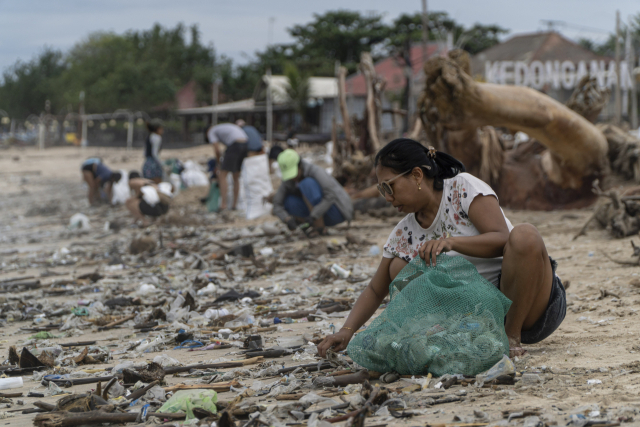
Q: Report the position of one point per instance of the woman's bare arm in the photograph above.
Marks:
(364, 308)
(486, 216)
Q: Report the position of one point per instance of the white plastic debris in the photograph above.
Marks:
(79, 221)
(340, 271)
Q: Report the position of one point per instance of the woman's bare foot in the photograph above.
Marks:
(516, 351)
(515, 347)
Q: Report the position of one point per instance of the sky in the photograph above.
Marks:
(238, 28)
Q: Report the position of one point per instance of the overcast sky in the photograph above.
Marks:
(238, 28)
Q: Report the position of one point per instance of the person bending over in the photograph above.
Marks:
(454, 212)
(309, 197)
(98, 176)
(235, 139)
(149, 200)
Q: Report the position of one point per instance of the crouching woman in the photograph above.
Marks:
(451, 211)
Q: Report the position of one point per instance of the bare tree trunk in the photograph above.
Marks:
(373, 124)
(344, 110)
(576, 148)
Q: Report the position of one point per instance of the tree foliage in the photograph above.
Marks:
(297, 89)
(136, 70)
(143, 70)
(27, 85)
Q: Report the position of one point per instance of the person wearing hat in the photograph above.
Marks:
(309, 197)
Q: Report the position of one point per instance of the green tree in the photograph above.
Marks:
(481, 37)
(335, 35)
(136, 70)
(297, 90)
(27, 85)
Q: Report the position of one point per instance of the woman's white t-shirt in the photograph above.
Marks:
(451, 220)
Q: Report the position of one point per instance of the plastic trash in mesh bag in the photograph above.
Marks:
(446, 319)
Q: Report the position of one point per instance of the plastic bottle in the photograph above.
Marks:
(6, 383)
(213, 313)
(339, 271)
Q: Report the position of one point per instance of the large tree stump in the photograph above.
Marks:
(575, 150)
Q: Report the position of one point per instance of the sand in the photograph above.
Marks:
(598, 339)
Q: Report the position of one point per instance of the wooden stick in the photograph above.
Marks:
(222, 365)
(583, 230)
(80, 381)
(140, 392)
(366, 407)
(9, 395)
(117, 322)
(297, 396)
(44, 405)
(64, 419)
(219, 387)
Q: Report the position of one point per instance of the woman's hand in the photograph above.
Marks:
(338, 341)
(431, 249)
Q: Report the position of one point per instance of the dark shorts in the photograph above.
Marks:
(157, 210)
(89, 168)
(553, 315)
(233, 157)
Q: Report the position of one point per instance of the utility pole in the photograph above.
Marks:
(130, 133)
(83, 137)
(631, 65)
(41, 133)
(269, 108)
(336, 100)
(214, 100)
(425, 31)
(618, 95)
(269, 100)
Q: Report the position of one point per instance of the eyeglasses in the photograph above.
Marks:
(384, 186)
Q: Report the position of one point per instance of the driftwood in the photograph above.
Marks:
(573, 151)
(222, 365)
(117, 322)
(374, 395)
(219, 387)
(342, 380)
(588, 98)
(64, 419)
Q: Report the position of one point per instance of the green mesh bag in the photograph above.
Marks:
(446, 319)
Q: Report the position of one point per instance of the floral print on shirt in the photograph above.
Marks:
(405, 240)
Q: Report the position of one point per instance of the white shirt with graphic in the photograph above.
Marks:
(451, 220)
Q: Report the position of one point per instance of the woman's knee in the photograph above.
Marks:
(524, 239)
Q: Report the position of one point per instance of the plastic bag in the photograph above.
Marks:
(193, 176)
(186, 400)
(150, 195)
(445, 319)
(120, 190)
(256, 184)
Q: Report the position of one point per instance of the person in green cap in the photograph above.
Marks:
(309, 197)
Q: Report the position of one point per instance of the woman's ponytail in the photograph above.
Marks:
(404, 154)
